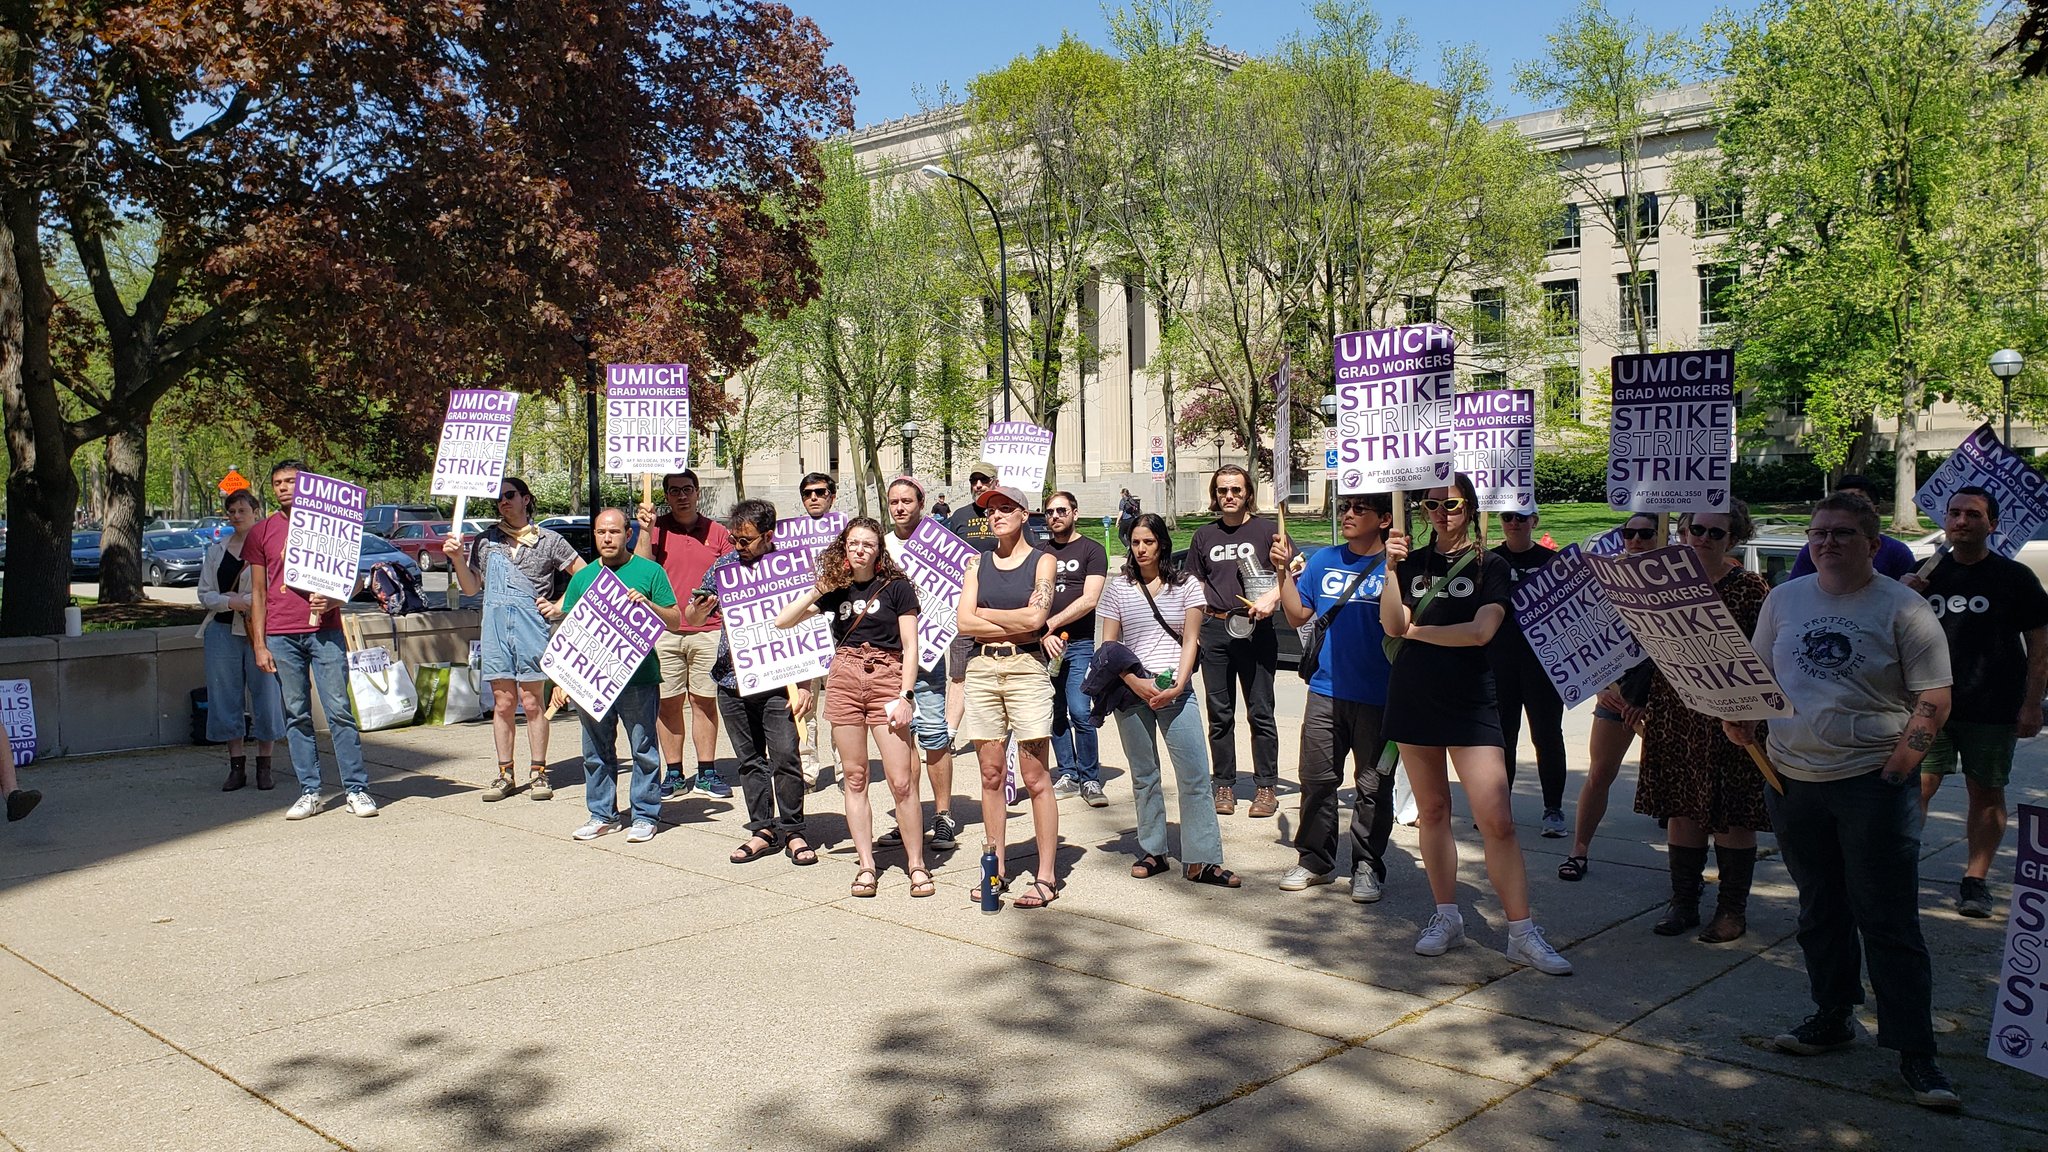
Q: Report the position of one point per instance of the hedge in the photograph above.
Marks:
(1580, 477)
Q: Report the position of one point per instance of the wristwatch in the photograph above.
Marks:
(909, 697)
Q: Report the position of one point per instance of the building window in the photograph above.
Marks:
(1566, 238)
(1297, 488)
(1717, 293)
(1718, 213)
(1418, 309)
(1561, 391)
(1643, 221)
(1489, 317)
(1638, 300)
(1561, 308)
(1489, 381)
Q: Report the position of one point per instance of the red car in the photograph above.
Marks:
(421, 540)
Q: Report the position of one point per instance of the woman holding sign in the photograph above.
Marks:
(1440, 707)
(1617, 715)
(517, 560)
(1691, 775)
(871, 687)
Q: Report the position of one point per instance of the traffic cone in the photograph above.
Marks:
(1547, 542)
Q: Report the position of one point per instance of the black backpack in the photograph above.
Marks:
(397, 589)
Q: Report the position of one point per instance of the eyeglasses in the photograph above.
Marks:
(1638, 533)
(1447, 504)
(1349, 506)
(1698, 530)
(811, 492)
(1514, 517)
(680, 489)
(1002, 509)
(1230, 491)
(747, 541)
(1838, 535)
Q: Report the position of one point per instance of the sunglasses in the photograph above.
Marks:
(1514, 517)
(1361, 506)
(1638, 533)
(1710, 533)
(1230, 491)
(508, 495)
(1447, 504)
(1059, 511)
(810, 492)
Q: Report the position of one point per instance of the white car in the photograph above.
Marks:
(564, 521)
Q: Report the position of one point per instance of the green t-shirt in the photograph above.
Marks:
(641, 575)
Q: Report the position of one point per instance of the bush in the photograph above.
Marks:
(1571, 478)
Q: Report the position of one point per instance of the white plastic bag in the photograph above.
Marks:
(381, 690)
(465, 700)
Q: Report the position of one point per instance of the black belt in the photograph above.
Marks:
(981, 649)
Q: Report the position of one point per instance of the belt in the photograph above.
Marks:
(981, 649)
(1219, 614)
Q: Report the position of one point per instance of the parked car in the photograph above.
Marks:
(212, 528)
(377, 550)
(1772, 554)
(85, 557)
(172, 557)
(383, 519)
(558, 522)
(160, 524)
(579, 538)
(422, 539)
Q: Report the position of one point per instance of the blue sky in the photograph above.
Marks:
(895, 47)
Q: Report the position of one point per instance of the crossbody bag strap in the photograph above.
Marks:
(1330, 617)
(1158, 615)
(1441, 583)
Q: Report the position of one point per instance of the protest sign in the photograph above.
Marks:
(1020, 452)
(750, 597)
(807, 534)
(1671, 432)
(1674, 613)
(1607, 543)
(1394, 409)
(1985, 462)
(1577, 635)
(600, 644)
(324, 547)
(474, 436)
(18, 714)
(2019, 1017)
(1283, 439)
(1495, 437)
(646, 418)
(936, 561)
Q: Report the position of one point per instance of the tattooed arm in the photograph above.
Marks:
(1930, 712)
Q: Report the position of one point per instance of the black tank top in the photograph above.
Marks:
(229, 574)
(1001, 589)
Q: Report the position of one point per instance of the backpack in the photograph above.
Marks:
(397, 589)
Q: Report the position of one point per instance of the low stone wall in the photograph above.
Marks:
(108, 691)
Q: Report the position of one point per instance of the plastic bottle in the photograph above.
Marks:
(1060, 663)
(991, 894)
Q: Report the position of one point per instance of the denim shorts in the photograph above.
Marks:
(514, 637)
(930, 721)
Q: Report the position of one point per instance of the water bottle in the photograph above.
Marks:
(1060, 663)
(991, 879)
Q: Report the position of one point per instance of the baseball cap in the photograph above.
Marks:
(984, 468)
(988, 494)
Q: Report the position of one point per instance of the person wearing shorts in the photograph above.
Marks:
(1003, 609)
(1995, 615)
(873, 608)
(934, 734)
(1617, 710)
(686, 543)
(513, 562)
(818, 492)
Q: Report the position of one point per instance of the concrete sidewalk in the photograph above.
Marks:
(183, 969)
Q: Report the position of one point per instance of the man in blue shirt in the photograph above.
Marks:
(1345, 698)
(1893, 559)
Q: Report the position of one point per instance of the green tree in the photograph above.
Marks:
(1892, 214)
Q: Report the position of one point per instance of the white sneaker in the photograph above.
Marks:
(307, 804)
(1443, 934)
(593, 828)
(1066, 788)
(641, 832)
(360, 804)
(1532, 949)
(1300, 879)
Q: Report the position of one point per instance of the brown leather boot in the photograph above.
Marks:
(1265, 802)
(264, 780)
(1731, 901)
(238, 776)
(1683, 913)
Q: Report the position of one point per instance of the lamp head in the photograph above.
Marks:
(2006, 363)
(1330, 407)
(934, 172)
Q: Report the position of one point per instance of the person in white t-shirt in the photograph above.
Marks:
(1156, 611)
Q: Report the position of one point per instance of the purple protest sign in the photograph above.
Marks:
(474, 436)
(1982, 459)
(1608, 543)
(1671, 433)
(2019, 1026)
(646, 418)
(1394, 408)
(600, 644)
(1577, 635)
(1283, 432)
(807, 534)
(324, 547)
(1495, 437)
(1020, 452)
(936, 561)
(750, 597)
(1679, 620)
(18, 715)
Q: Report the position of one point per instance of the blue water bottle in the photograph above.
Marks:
(991, 879)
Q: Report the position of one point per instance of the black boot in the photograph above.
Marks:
(1731, 901)
(264, 780)
(1687, 865)
(238, 775)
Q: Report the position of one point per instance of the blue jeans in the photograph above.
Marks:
(1073, 725)
(1187, 743)
(637, 706)
(1853, 848)
(309, 662)
(231, 671)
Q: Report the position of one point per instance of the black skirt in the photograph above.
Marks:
(1441, 698)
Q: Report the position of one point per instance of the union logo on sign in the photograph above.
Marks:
(2014, 1041)
(1618, 496)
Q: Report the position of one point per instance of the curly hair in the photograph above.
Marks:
(835, 573)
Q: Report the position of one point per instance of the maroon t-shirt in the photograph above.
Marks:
(286, 611)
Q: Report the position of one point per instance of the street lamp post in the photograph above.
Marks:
(1330, 421)
(2006, 364)
(934, 172)
(909, 441)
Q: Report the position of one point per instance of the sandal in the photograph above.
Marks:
(1149, 865)
(1215, 874)
(1574, 869)
(974, 890)
(802, 857)
(1038, 895)
(924, 887)
(864, 889)
(747, 853)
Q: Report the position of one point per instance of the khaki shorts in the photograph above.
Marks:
(1007, 696)
(1982, 751)
(686, 663)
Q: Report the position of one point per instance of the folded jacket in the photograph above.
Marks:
(1104, 685)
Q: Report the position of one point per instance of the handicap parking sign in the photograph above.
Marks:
(1159, 465)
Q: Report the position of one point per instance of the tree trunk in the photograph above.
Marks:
(121, 534)
(1905, 472)
(181, 490)
(42, 490)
